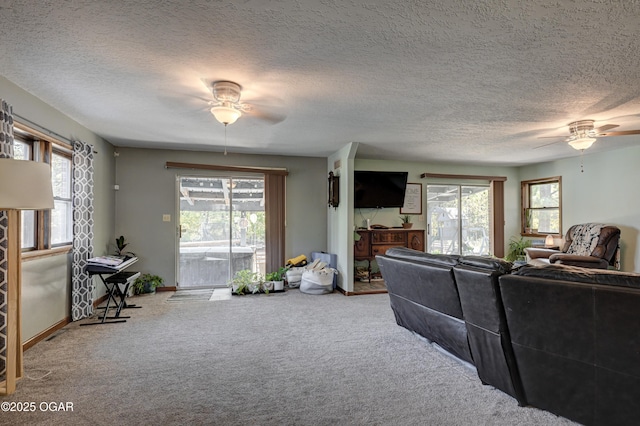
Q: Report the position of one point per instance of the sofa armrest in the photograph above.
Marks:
(539, 253)
(581, 261)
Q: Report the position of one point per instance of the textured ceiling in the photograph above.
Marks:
(463, 80)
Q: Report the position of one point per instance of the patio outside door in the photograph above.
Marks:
(458, 219)
(222, 229)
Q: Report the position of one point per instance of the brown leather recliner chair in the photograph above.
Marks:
(605, 253)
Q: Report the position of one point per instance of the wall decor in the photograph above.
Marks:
(412, 199)
(334, 190)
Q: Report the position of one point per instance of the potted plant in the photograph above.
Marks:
(528, 222)
(256, 285)
(121, 243)
(147, 283)
(245, 281)
(275, 280)
(406, 221)
(516, 249)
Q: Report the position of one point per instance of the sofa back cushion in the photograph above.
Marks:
(485, 262)
(480, 297)
(584, 275)
(422, 278)
(444, 260)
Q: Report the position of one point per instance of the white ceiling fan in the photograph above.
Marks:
(583, 133)
(227, 108)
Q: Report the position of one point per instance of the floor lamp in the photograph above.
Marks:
(24, 185)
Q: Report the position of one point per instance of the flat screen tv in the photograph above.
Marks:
(379, 189)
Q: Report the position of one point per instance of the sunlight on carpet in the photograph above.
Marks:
(200, 295)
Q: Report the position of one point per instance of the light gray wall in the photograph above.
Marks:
(391, 216)
(148, 190)
(607, 192)
(604, 192)
(46, 281)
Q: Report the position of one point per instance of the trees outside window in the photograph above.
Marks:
(541, 211)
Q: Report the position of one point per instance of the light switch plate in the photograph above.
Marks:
(166, 218)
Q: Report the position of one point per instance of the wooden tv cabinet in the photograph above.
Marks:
(378, 241)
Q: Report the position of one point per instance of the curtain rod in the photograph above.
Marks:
(42, 129)
(472, 177)
(264, 170)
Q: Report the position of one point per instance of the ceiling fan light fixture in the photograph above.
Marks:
(225, 114)
(582, 134)
(226, 91)
(582, 143)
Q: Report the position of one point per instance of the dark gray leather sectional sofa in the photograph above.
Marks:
(561, 338)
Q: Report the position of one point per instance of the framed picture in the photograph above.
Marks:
(412, 199)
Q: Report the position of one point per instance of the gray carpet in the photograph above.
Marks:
(202, 295)
(278, 359)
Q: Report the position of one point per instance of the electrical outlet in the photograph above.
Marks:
(166, 218)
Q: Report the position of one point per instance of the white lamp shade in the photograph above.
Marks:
(582, 143)
(548, 241)
(25, 185)
(225, 114)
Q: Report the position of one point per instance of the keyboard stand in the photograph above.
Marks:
(117, 283)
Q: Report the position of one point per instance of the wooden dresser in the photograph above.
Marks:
(378, 241)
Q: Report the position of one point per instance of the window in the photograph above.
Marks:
(458, 219)
(495, 213)
(274, 206)
(542, 206)
(225, 217)
(23, 150)
(62, 214)
(44, 229)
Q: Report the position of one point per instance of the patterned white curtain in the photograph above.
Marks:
(82, 283)
(6, 151)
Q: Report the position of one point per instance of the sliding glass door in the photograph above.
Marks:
(222, 229)
(458, 219)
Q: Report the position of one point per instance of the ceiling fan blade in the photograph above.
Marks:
(271, 117)
(271, 110)
(547, 144)
(621, 133)
(606, 127)
(185, 103)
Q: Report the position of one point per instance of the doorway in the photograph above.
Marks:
(221, 229)
(458, 219)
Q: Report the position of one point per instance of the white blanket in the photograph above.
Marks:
(584, 238)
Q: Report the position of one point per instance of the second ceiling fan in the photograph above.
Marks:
(583, 133)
